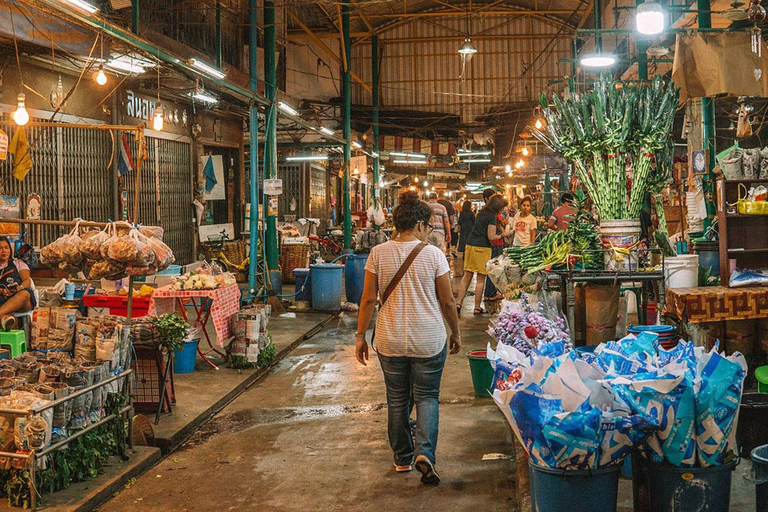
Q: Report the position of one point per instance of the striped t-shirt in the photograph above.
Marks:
(410, 324)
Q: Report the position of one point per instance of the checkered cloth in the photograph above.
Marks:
(226, 302)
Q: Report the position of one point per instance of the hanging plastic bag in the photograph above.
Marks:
(91, 247)
(163, 254)
(751, 163)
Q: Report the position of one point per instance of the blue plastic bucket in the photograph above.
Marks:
(759, 458)
(660, 488)
(184, 358)
(326, 286)
(354, 275)
(559, 490)
(656, 329)
(301, 275)
(709, 256)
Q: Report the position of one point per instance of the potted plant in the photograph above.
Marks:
(175, 334)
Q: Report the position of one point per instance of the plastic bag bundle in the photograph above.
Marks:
(751, 163)
(64, 252)
(748, 277)
(107, 269)
(86, 331)
(91, 246)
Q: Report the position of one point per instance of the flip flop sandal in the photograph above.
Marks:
(479, 311)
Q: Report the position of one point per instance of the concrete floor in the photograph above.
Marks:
(312, 436)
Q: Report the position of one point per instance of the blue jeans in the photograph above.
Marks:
(416, 377)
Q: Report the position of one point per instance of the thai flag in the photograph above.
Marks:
(124, 159)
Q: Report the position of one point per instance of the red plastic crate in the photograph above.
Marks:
(118, 304)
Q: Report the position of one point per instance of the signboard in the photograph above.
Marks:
(273, 187)
(3, 145)
(10, 207)
(136, 106)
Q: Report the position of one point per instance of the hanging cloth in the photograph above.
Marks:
(22, 160)
(210, 175)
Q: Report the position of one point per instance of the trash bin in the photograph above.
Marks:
(326, 281)
(301, 277)
(574, 490)
(660, 488)
(354, 276)
(184, 358)
(482, 372)
(752, 429)
(760, 474)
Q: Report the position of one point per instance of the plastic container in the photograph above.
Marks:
(709, 256)
(482, 372)
(276, 280)
(561, 490)
(184, 359)
(301, 278)
(761, 375)
(659, 488)
(620, 233)
(326, 286)
(752, 429)
(759, 458)
(172, 270)
(682, 271)
(354, 276)
(118, 304)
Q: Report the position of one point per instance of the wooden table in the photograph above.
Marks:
(717, 303)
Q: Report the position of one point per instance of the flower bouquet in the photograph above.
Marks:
(526, 328)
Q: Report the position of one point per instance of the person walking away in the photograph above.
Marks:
(412, 280)
(478, 250)
(524, 225)
(563, 214)
(451, 221)
(441, 225)
(497, 249)
(16, 294)
(466, 221)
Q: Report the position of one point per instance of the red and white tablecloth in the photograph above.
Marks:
(225, 302)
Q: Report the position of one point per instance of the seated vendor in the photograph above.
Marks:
(16, 295)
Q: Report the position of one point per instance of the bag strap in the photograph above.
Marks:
(401, 272)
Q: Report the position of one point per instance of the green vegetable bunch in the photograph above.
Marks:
(172, 330)
(605, 132)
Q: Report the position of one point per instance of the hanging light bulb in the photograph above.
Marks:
(415, 179)
(426, 183)
(520, 163)
(649, 18)
(101, 76)
(157, 119)
(538, 124)
(508, 168)
(467, 48)
(21, 116)
(598, 60)
(525, 151)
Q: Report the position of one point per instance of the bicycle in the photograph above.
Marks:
(326, 246)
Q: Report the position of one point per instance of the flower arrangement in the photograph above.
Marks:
(526, 328)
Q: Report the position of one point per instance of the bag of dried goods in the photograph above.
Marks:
(152, 231)
(86, 331)
(163, 254)
(91, 247)
(107, 269)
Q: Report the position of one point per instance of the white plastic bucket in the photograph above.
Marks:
(620, 233)
(681, 271)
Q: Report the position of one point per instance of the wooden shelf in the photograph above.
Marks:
(742, 216)
(756, 180)
(747, 251)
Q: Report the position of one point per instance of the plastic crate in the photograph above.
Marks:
(118, 304)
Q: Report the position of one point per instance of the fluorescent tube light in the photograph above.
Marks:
(477, 160)
(356, 144)
(326, 131)
(130, 64)
(205, 68)
(475, 153)
(306, 158)
(83, 6)
(287, 108)
(407, 155)
(417, 162)
(204, 97)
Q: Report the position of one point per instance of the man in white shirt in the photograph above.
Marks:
(441, 224)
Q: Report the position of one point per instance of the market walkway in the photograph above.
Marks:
(312, 436)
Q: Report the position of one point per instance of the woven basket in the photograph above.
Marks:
(293, 256)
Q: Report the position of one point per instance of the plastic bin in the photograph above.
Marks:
(482, 372)
(562, 490)
(681, 271)
(326, 286)
(659, 488)
(354, 276)
(301, 277)
(759, 458)
(118, 304)
(752, 429)
(184, 359)
(761, 374)
(172, 270)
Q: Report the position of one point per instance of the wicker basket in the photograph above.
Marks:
(293, 255)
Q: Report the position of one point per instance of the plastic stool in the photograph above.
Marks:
(15, 340)
(638, 291)
(761, 374)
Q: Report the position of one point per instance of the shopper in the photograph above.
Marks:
(441, 225)
(478, 250)
(524, 224)
(497, 249)
(466, 221)
(16, 294)
(563, 214)
(451, 222)
(410, 334)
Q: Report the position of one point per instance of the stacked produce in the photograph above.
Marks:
(578, 246)
(113, 253)
(574, 411)
(203, 278)
(525, 328)
(605, 132)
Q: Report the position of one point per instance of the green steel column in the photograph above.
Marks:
(642, 58)
(597, 8)
(347, 113)
(218, 34)
(253, 220)
(270, 145)
(708, 126)
(548, 209)
(375, 116)
(135, 16)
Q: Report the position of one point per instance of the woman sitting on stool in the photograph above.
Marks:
(16, 294)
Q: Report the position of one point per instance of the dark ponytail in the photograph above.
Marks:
(410, 210)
